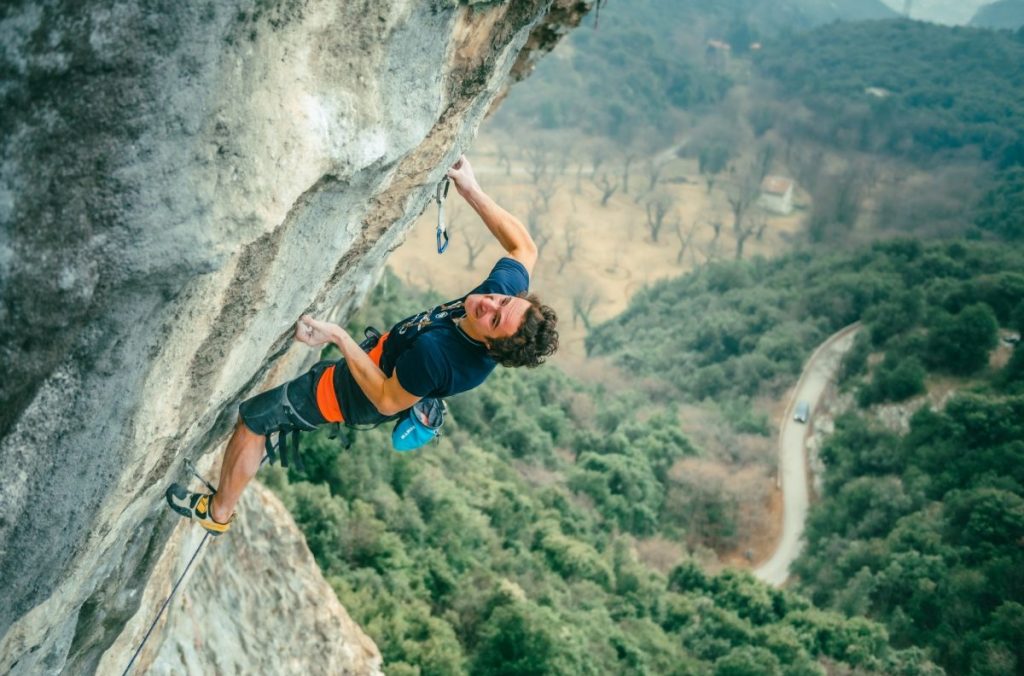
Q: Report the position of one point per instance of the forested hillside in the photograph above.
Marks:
(522, 544)
(631, 79)
(759, 320)
(948, 100)
(921, 530)
(1007, 14)
(932, 89)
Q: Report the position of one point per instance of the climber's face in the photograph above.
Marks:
(491, 316)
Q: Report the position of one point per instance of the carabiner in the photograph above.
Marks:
(439, 196)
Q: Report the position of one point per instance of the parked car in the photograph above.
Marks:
(802, 412)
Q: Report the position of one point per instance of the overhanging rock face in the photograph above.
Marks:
(179, 182)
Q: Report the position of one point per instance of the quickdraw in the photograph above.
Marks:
(439, 196)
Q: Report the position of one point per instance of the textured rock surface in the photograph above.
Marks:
(223, 621)
(178, 183)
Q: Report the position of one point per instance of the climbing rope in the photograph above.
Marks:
(164, 606)
(191, 468)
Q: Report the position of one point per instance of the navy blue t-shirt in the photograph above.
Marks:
(430, 353)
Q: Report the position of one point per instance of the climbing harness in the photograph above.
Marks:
(414, 427)
(439, 196)
(288, 431)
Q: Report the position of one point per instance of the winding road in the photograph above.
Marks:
(820, 370)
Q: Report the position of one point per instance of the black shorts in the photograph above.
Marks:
(289, 406)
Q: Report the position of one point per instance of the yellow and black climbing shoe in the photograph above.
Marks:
(195, 506)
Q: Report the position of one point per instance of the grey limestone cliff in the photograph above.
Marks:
(179, 182)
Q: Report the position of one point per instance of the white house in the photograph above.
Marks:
(717, 54)
(777, 195)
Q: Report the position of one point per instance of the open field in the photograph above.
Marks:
(615, 255)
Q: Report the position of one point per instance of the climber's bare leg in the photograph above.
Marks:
(241, 460)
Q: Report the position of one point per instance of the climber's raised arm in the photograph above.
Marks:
(506, 228)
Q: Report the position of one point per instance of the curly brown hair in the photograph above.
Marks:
(536, 339)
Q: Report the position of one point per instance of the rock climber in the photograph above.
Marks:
(439, 352)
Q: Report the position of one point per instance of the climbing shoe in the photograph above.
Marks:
(195, 506)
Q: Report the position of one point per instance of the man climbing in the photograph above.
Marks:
(448, 349)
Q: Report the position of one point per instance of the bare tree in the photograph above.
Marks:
(546, 190)
(476, 239)
(716, 227)
(657, 207)
(652, 170)
(505, 157)
(684, 239)
(714, 221)
(579, 178)
(836, 205)
(627, 162)
(753, 225)
(741, 194)
(606, 186)
(535, 224)
(538, 163)
(570, 240)
(584, 300)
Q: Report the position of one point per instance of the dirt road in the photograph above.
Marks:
(821, 369)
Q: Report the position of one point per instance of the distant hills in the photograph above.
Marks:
(646, 61)
(1001, 14)
(806, 13)
(949, 12)
(771, 16)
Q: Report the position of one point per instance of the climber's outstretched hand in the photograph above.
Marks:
(314, 332)
(462, 173)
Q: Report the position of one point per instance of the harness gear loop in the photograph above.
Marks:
(439, 196)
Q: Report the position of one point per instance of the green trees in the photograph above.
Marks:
(895, 379)
(923, 531)
(748, 661)
(620, 84)
(934, 307)
(892, 102)
(960, 343)
(1001, 211)
(917, 111)
(521, 638)
(511, 546)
